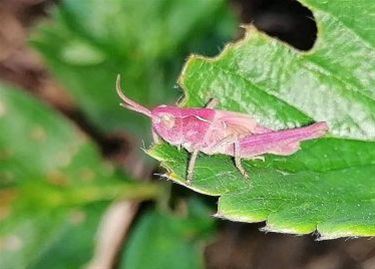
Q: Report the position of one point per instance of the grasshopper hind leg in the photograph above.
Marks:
(237, 160)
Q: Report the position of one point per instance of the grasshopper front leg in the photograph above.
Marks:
(190, 170)
(193, 158)
(155, 137)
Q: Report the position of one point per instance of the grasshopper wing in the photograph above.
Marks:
(227, 128)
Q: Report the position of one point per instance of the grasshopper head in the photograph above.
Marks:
(166, 121)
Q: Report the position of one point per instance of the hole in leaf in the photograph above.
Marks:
(287, 20)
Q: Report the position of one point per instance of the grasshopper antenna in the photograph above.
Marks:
(128, 103)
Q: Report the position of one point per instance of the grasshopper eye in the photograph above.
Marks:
(168, 120)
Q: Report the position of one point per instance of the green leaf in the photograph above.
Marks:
(162, 240)
(328, 185)
(51, 239)
(54, 187)
(91, 41)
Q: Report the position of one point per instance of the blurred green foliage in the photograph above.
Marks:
(89, 42)
(54, 185)
(165, 240)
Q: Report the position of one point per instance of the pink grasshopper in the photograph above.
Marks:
(220, 132)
